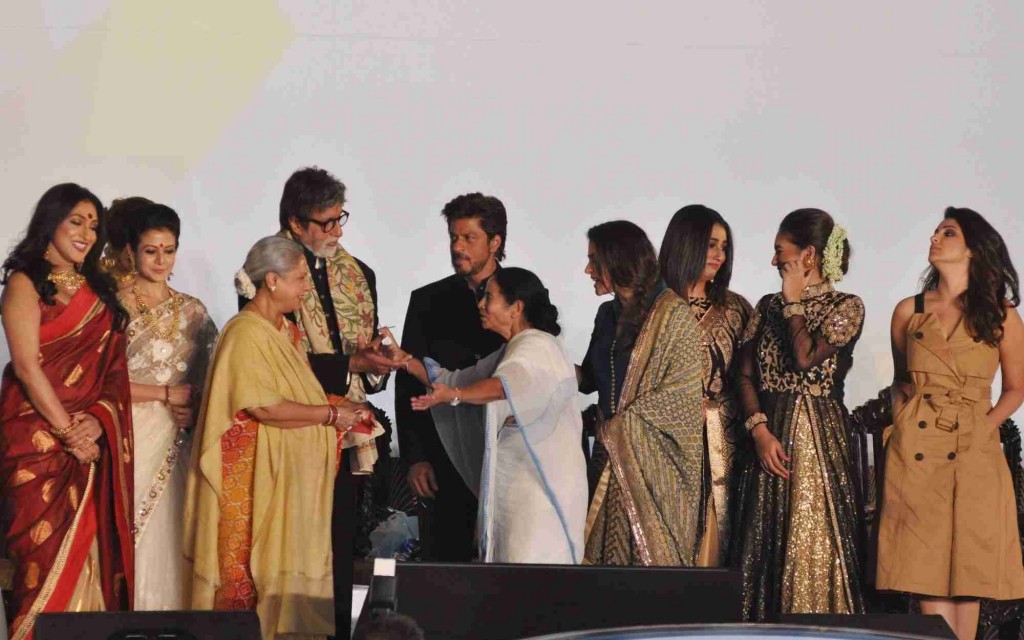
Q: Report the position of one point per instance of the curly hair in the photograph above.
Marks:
(992, 280)
(625, 254)
(490, 211)
(684, 252)
(28, 256)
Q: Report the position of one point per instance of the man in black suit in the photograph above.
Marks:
(339, 317)
(443, 322)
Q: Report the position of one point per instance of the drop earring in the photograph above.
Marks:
(131, 263)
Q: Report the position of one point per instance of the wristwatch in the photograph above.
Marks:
(456, 400)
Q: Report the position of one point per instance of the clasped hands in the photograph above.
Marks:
(80, 437)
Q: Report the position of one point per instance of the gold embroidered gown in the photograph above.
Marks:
(797, 540)
(721, 328)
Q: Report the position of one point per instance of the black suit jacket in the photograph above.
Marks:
(331, 369)
(442, 322)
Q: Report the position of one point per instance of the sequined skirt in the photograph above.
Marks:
(799, 541)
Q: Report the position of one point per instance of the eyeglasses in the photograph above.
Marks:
(329, 225)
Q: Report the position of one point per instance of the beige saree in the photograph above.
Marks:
(646, 507)
(292, 484)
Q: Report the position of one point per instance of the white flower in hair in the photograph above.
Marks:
(832, 261)
(244, 285)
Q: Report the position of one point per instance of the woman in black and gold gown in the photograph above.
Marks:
(797, 537)
(696, 262)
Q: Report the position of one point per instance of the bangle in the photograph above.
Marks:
(61, 432)
(167, 394)
(754, 420)
(332, 414)
(791, 309)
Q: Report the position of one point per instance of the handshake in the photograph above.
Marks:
(380, 357)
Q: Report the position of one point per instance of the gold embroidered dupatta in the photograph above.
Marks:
(646, 507)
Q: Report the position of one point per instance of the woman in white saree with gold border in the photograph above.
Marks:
(170, 340)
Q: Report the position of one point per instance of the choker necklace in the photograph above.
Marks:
(149, 319)
(69, 279)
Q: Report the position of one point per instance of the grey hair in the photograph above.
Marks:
(273, 254)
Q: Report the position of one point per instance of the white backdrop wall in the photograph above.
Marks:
(571, 112)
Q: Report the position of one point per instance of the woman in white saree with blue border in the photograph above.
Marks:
(511, 425)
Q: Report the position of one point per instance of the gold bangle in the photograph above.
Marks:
(792, 309)
(754, 420)
(61, 432)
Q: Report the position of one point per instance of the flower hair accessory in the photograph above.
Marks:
(244, 285)
(832, 261)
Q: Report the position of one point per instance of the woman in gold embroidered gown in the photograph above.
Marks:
(797, 537)
(170, 338)
(696, 262)
(266, 452)
(644, 363)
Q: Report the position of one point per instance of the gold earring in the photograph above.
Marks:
(131, 263)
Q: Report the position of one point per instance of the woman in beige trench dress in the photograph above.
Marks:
(948, 529)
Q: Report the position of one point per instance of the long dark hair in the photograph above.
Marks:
(521, 285)
(684, 252)
(624, 253)
(28, 255)
(992, 280)
(811, 228)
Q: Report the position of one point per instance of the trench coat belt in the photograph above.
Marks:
(948, 403)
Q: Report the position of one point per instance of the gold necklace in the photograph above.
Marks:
(150, 320)
(69, 279)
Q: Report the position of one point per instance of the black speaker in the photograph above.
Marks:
(901, 623)
(149, 625)
(504, 602)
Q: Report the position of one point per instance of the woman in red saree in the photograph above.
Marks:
(65, 418)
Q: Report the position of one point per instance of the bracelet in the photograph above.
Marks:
(332, 414)
(60, 433)
(791, 309)
(167, 394)
(754, 420)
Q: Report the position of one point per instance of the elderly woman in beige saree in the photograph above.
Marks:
(268, 441)
(649, 447)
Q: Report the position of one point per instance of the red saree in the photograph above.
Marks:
(53, 506)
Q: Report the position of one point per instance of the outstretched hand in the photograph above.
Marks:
(370, 358)
(439, 394)
(389, 347)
